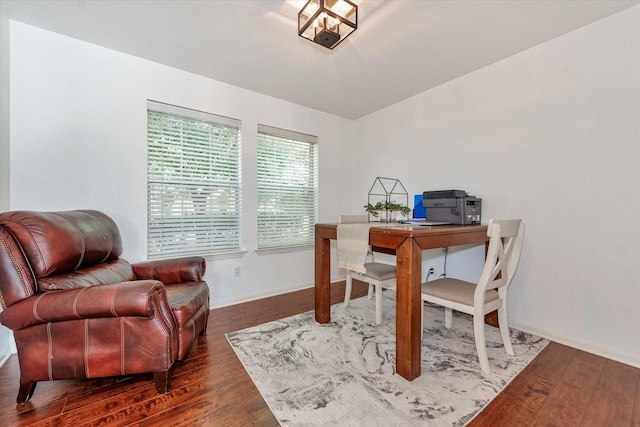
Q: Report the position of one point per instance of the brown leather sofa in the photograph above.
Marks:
(77, 310)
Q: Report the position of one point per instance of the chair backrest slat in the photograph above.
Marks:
(505, 246)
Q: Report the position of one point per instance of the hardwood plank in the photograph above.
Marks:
(635, 421)
(614, 397)
(584, 370)
(569, 399)
(565, 406)
(552, 362)
(517, 404)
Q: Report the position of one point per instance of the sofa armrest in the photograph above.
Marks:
(170, 271)
(113, 300)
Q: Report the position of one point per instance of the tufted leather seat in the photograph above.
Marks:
(78, 310)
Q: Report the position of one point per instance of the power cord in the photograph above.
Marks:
(444, 270)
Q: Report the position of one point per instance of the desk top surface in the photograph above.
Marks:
(413, 230)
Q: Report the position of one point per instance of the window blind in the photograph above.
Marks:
(287, 180)
(193, 182)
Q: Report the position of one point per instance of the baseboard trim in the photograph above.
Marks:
(588, 346)
(270, 293)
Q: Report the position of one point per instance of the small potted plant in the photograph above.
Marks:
(374, 210)
(390, 209)
(397, 207)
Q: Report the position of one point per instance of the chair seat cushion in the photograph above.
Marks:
(455, 290)
(185, 299)
(380, 271)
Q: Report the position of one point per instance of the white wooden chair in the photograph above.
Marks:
(490, 293)
(378, 275)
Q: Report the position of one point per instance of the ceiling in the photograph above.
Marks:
(401, 47)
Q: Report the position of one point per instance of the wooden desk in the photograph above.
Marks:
(408, 242)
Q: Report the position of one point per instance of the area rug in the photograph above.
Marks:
(343, 373)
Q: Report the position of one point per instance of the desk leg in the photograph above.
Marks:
(322, 279)
(408, 309)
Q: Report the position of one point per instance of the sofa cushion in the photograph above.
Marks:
(114, 271)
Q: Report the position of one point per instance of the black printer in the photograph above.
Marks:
(454, 206)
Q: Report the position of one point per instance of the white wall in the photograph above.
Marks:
(551, 135)
(4, 108)
(78, 140)
(6, 341)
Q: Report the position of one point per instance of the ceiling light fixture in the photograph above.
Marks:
(327, 22)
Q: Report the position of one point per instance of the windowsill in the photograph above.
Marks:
(284, 249)
(207, 256)
(224, 255)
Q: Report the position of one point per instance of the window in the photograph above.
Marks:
(193, 182)
(287, 178)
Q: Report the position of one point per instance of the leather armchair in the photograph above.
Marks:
(78, 310)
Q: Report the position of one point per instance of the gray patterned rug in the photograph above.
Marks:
(343, 373)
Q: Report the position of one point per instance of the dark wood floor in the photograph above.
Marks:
(561, 387)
